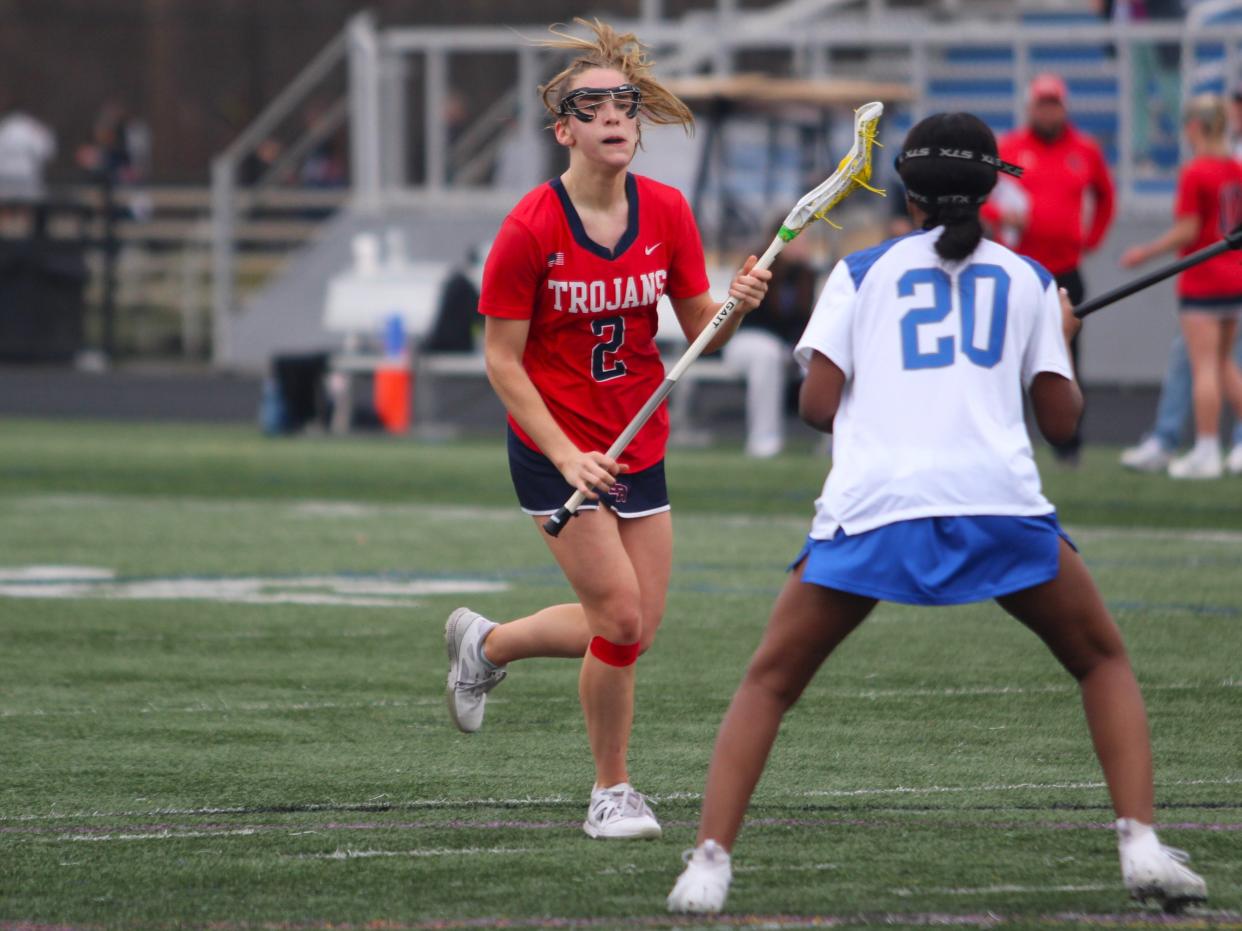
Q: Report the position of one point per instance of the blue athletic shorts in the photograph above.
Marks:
(938, 560)
(541, 489)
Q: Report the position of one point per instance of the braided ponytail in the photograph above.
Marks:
(962, 230)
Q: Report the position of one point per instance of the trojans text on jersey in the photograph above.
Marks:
(593, 297)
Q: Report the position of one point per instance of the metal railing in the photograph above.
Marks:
(377, 107)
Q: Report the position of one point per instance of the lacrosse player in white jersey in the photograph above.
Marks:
(917, 356)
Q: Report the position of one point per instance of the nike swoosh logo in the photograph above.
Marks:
(651, 249)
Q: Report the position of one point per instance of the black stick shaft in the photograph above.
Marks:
(1232, 240)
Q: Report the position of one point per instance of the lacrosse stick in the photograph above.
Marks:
(1232, 240)
(852, 173)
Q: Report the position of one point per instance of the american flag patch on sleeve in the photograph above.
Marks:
(556, 258)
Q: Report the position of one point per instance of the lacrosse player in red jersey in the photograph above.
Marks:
(570, 292)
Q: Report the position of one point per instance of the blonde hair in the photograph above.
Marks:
(1208, 110)
(622, 53)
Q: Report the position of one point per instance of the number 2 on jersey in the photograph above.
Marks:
(611, 331)
(968, 281)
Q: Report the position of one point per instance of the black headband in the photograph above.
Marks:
(946, 198)
(951, 154)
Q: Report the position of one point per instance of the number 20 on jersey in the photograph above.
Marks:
(971, 285)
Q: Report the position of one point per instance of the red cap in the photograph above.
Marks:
(1048, 86)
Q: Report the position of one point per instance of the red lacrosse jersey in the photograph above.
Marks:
(1210, 188)
(591, 349)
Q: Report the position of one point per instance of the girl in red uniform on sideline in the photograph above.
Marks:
(1209, 204)
(570, 292)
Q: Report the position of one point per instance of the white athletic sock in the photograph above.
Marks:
(483, 656)
(1207, 446)
(1132, 831)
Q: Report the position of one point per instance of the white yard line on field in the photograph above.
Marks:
(349, 854)
(369, 591)
(1008, 888)
(158, 835)
(538, 802)
(228, 708)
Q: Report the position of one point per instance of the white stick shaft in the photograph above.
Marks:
(670, 379)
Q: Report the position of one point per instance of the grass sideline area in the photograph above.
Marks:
(226, 708)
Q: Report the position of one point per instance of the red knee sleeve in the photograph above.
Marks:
(614, 654)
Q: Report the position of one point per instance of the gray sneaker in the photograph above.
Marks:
(619, 812)
(1147, 456)
(469, 677)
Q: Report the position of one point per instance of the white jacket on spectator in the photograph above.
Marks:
(26, 145)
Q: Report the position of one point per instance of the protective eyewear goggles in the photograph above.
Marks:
(585, 101)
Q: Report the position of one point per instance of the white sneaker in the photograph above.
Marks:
(704, 883)
(469, 678)
(620, 812)
(1233, 462)
(1153, 871)
(1197, 464)
(1148, 456)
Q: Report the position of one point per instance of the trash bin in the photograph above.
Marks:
(299, 393)
(42, 300)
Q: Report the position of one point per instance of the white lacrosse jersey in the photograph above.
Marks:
(936, 356)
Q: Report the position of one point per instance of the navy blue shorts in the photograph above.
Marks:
(939, 560)
(1223, 307)
(541, 489)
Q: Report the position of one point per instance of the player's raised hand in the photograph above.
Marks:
(1134, 257)
(591, 473)
(750, 285)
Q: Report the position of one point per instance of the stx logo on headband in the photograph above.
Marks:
(965, 155)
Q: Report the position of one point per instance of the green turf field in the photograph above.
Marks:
(225, 708)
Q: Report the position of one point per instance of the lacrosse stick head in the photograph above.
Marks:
(853, 172)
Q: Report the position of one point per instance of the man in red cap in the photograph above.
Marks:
(1061, 167)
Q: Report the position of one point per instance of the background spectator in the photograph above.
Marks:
(763, 347)
(1209, 201)
(457, 315)
(1064, 171)
(119, 149)
(26, 146)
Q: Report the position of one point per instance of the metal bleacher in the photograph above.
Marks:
(408, 173)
